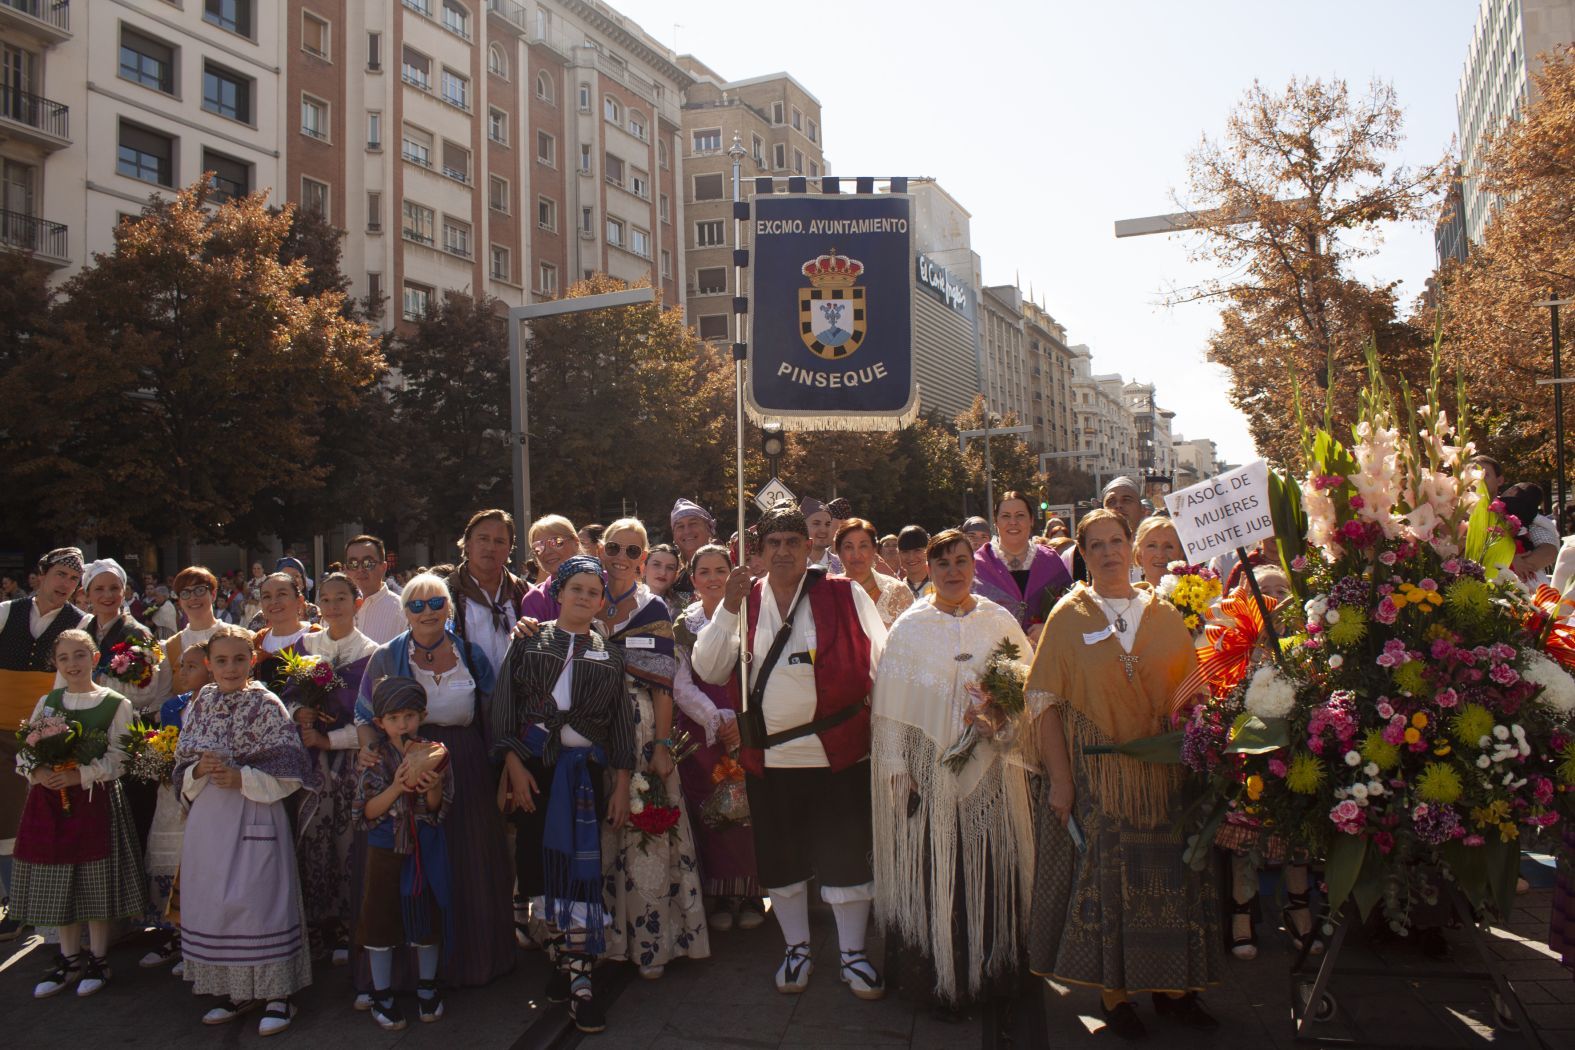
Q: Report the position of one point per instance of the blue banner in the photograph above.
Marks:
(831, 311)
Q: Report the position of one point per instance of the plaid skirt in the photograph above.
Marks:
(112, 888)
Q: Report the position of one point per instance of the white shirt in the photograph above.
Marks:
(273, 643)
(37, 622)
(113, 762)
(790, 692)
(346, 650)
(451, 701)
(562, 696)
(381, 616)
(1128, 610)
(481, 632)
(1564, 565)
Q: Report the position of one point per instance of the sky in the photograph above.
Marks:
(1049, 120)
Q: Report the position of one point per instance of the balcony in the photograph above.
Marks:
(28, 233)
(47, 19)
(33, 118)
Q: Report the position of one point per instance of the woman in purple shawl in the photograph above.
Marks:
(552, 541)
(243, 928)
(1017, 573)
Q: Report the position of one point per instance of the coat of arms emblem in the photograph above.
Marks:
(831, 310)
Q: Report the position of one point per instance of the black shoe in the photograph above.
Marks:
(1188, 1010)
(1244, 948)
(386, 1012)
(1124, 1022)
(1310, 942)
(429, 1002)
(558, 985)
(586, 1012)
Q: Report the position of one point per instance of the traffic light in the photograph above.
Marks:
(1044, 504)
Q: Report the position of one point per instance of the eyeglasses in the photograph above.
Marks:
(420, 605)
(367, 564)
(555, 542)
(200, 590)
(632, 551)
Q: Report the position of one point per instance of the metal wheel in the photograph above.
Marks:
(1324, 1010)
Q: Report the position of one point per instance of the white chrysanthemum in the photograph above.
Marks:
(1270, 694)
(1558, 688)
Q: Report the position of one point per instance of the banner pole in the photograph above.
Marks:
(736, 152)
(1263, 607)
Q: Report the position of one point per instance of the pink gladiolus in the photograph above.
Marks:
(1472, 840)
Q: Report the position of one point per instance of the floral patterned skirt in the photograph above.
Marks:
(655, 912)
(325, 843)
(162, 857)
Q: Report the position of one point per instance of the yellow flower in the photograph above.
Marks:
(1398, 599)
(1255, 787)
(1419, 720)
(1495, 812)
(1439, 782)
(1412, 736)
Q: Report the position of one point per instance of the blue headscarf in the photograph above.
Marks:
(573, 567)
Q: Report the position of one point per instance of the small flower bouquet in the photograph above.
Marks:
(150, 751)
(728, 804)
(998, 701)
(1192, 589)
(650, 811)
(133, 661)
(309, 681)
(56, 743)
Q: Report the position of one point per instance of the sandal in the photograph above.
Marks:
(228, 1010)
(62, 975)
(1308, 942)
(429, 1007)
(1245, 948)
(94, 976)
(859, 974)
(276, 1017)
(522, 935)
(793, 974)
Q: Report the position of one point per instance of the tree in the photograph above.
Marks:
(30, 430)
(196, 378)
(1492, 329)
(1291, 197)
(1013, 464)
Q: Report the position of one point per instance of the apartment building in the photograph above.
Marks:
(1196, 460)
(777, 122)
(35, 126)
(1004, 340)
(1156, 456)
(1050, 376)
(1105, 427)
(1496, 85)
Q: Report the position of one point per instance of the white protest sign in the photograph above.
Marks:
(1223, 513)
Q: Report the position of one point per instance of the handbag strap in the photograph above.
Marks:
(757, 689)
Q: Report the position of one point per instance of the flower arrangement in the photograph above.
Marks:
(58, 744)
(1412, 723)
(728, 804)
(651, 813)
(309, 680)
(998, 702)
(1192, 589)
(133, 661)
(150, 751)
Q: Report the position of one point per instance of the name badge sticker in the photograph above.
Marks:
(595, 654)
(1095, 637)
(641, 642)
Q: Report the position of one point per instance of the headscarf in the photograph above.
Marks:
(840, 509)
(688, 509)
(98, 568)
(573, 567)
(785, 517)
(975, 524)
(291, 563)
(398, 693)
(70, 557)
(808, 506)
(1122, 482)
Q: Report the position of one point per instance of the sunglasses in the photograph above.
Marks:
(366, 564)
(557, 541)
(632, 551)
(421, 605)
(201, 590)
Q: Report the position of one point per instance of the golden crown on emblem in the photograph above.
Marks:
(833, 271)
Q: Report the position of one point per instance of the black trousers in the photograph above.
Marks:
(812, 823)
(529, 828)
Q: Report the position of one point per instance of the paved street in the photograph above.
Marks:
(728, 1001)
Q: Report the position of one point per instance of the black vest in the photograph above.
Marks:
(19, 650)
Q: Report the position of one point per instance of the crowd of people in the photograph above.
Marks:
(630, 747)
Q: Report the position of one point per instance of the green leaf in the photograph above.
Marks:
(1200, 848)
(1343, 868)
(1290, 526)
(1470, 867)
(1503, 870)
(1482, 519)
(1369, 888)
(1499, 555)
(1251, 735)
(1164, 749)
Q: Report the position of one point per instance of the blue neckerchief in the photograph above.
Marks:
(572, 839)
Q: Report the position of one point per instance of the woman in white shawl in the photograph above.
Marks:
(953, 848)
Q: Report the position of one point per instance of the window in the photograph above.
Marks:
(416, 146)
(546, 149)
(374, 51)
(456, 89)
(640, 183)
(417, 69)
(711, 281)
(661, 154)
(146, 61)
(640, 242)
(664, 209)
(314, 117)
(225, 93)
(374, 212)
(709, 234)
(798, 162)
(234, 15)
(543, 24)
(417, 301)
(497, 126)
(667, 263)
(544, 88)
(314, 34)
(779, 156)
(587, 222)
(230, 178)
(145, 155)
(798, 120)
(498, 194)
(456, 162)
(421, 6)
(500, 263)
(709, 187)
(637, 124)
(585, 98)
(374, 293)
(497, 62)
(456, 18)
(547, 279)
(418, 223)
(708, 140)
(814, 132)
(615, 232)
(611, 110)
(585, 159)
(776, 112)
(314, 196)
(713, 326)
(757, 149)
(814, 170)
(612, 169)
(456, 237)
(547, 213)
(374, 130)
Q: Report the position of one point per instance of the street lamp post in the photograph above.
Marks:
(520, 318)
(1553, 302)
(989, 430)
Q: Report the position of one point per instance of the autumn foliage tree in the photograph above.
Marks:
(1287, 201)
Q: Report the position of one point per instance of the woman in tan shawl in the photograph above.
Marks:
(1115, 906)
